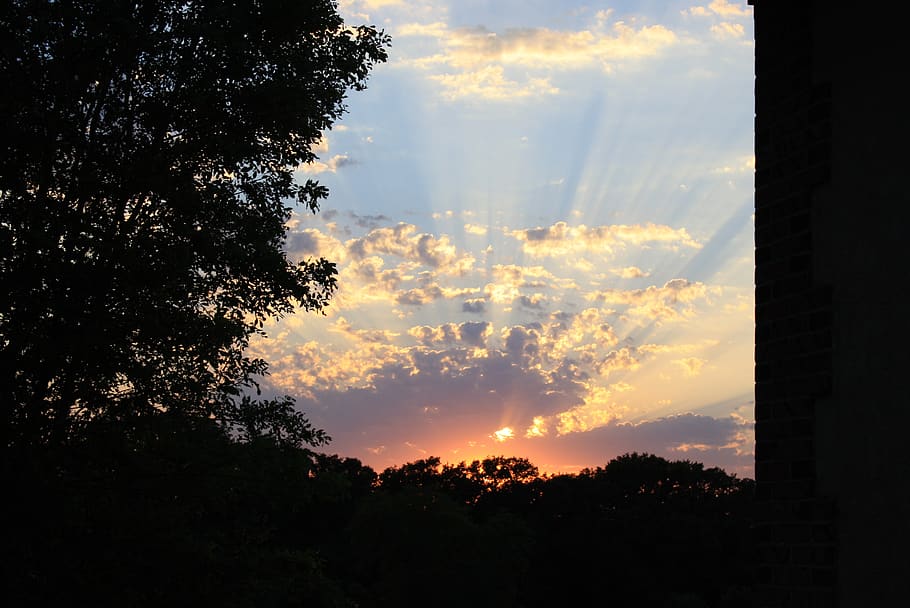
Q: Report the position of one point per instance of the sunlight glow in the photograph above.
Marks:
(531, 235)
(503, 434)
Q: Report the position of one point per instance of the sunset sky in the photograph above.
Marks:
(541, 214)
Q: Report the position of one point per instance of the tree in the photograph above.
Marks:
(146, 178)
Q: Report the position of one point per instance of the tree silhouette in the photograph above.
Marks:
(146, 177)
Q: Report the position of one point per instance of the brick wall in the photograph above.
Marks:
(793, 337)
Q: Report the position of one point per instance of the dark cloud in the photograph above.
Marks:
(344, 161)
(368, 221)
(477, 306)
(474, 333)
(439, 398)
(531, 302)
(723, 442)
(523, 341)
(303, 243)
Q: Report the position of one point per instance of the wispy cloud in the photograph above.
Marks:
(331, 166)
(722, 8)
(517, 63)
(561, 238)
(671, 301)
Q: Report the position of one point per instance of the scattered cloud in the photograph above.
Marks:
(722, 8)
(472, 48)
(336, 162)
(469, 333)
(503, 434)
(490, 82)
(561, 239)
(404, 241)
(726, 30)
(437, 29)
(672, 301)
(474, 306)
(630, 272)
(691, 366)
(516, 63)
(726, 9)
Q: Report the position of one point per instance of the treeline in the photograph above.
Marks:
(174, 511)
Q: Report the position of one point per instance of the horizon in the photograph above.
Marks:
(542, 220)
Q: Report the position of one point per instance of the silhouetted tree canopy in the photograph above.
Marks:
(146, 177)
(170, 511)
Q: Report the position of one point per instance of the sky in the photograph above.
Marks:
(541, 216)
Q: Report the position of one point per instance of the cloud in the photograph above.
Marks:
(561, 239)
(321, 146)
(490, 82)
(368, 221)
(532, 302)
(475, 229)
(744, 164)
(623, 359)
(672, 301)
(376, 336)
(453, 377)
(727, 442)
(374, 4)
(443, 396)
(437, 29)
(630, 272)
(522, 342)
(538, 428)
(404, 241)
(475, 333)
(477, 62)
(474, 306)
(722, 8)
(509, 280)
(359, 8)
(725, 30)
(419, 296)
(679, 347)
(691, 366)
(472, 48)
(372, 270)
(469, 333)
(332, 166)
(503, 434)
(311, 242)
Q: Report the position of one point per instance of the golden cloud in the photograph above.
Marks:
(404, 241)
(332, 166)
(473, 48)
(631, 272)
(691, 366)
(670, 302)
(490, 82)
(377, 336)
(725, 30)
(719, 7)
(471, 333)
(310, 242)
(623, 359)
(472, 62)
(561, 239)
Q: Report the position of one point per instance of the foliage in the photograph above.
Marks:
(172, 511)
(146, 176)
(168, 511)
